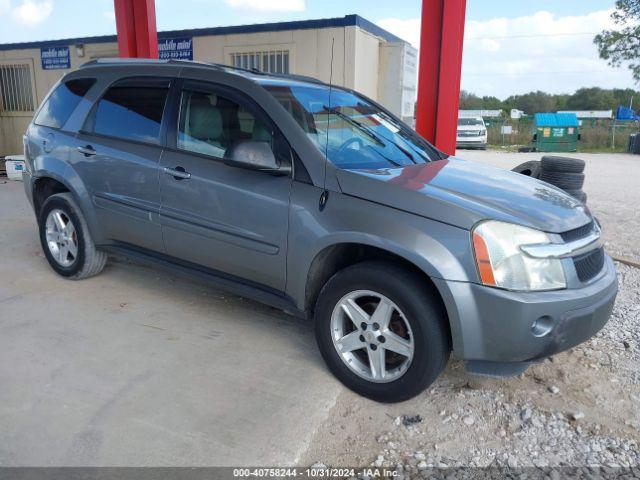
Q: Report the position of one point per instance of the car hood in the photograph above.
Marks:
(470, 128)
(462, 193)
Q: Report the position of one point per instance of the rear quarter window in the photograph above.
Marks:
(62, 102)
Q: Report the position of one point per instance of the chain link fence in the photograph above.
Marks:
(595, 135)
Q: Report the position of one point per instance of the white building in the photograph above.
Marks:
(366, 58)
(479, 113)
(591, 114)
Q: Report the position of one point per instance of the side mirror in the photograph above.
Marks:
(254, 155)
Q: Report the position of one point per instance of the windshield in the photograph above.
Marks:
(353, 133)
(462, 122)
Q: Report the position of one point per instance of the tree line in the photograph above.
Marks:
(594, 98)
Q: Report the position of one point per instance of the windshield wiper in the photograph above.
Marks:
(407, 153)
(363, 128)
(358, 125)
(395, 144)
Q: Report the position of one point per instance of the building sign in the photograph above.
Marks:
(175, 48)
(55, 58)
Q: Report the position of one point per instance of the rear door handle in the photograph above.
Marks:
(87, 151)
(179, 173)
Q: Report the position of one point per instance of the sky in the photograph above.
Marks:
(511, 47)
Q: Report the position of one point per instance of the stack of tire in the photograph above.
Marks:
(634, 143)
(563, 172)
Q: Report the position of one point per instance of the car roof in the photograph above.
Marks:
(257, 76)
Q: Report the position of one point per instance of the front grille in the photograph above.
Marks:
(468, 133)
(589, 264)
(577, 233)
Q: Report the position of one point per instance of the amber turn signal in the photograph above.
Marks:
(483, 261)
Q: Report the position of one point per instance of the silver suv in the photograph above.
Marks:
(318, 201)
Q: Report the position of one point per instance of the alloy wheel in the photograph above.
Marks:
(62, 238)
(372, 336)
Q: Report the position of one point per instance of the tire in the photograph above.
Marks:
(531, 169)
(423, 320)
(562, 164)
(578, 195)
(82, 259)
(565, 181)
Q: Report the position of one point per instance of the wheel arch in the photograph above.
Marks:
(335, 257)
(59, 178)
(43, 188)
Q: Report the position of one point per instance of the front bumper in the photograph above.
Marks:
(471, 142)
(494, 325)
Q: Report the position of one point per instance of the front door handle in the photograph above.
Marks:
(87, 151)
(178, 173)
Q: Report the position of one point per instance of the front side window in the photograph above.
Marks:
(352, 132)
(132, 111)
(62, 102)
(210, 123)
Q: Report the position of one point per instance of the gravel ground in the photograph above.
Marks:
(580, 408)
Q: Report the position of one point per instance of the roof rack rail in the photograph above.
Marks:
(217, 66)
(255, 71)
(294, 76)
(126, 61)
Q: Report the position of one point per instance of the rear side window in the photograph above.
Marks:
(62, 102)
(132, 111)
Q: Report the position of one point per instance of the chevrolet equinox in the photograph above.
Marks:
(318, 201)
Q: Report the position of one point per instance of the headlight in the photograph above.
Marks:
(501, 262)
(482, 132)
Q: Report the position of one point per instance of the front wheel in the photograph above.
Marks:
(382, 331)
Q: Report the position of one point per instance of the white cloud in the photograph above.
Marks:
(408, 30)
(269, 5)
(109, 15)
(490, 45)
(5, 6)
(31, 12)
(542, 51)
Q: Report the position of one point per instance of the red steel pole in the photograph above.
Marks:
(144, 12)
(125, 27)
(441, 42)
(429, 68)
(136, 25)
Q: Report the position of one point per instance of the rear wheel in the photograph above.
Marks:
(382, 331)
(66, 240)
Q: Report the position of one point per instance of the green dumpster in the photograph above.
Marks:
(556, 132)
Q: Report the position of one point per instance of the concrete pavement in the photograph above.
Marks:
(134, 367)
